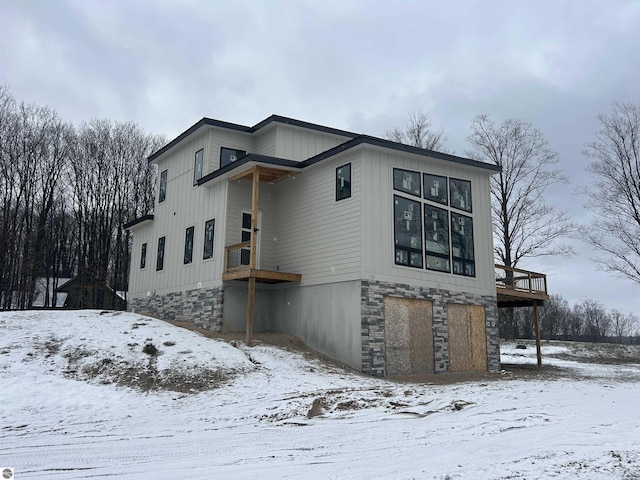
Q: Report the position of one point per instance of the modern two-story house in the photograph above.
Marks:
(375, 253)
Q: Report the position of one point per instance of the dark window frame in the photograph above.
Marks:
(441, 194)
(458, 202)
(343, 182)
(188, 245)
(198, 166)
(162, 189)
(143, 256)
(227, 151)
(465, 263)
(408, 255)
(440, 224)
(408, 177)
(160, 254)
(207, 250)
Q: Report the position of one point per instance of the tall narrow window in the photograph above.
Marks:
(198, 165)
(460, 194)
(143, 256)
(407, 232)
(462, 245)
(436, 238)
(230, 155)
(160, 257)
(209, 227)
(245, 236)
(163, 187)
(343, 182)
(188, 246)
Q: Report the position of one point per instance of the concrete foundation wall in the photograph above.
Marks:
(234, 317)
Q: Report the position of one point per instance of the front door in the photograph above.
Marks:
(245, 233)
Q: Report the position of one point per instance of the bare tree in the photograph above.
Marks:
(524, 224)
(418, 133)
(614, 197)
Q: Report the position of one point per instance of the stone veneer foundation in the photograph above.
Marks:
(202, 306)
(373, 342)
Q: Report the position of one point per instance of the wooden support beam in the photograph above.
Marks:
(251, 288)
(251, 292)
(536, 319)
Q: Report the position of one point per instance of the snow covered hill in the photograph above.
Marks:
(92, 394)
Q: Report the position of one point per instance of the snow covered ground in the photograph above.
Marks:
(80, 399)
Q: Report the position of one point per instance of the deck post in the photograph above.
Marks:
(536, 319)
(251, 288)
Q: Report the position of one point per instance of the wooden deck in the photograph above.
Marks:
(520, 288)
(234, 269)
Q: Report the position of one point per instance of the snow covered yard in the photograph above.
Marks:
(80, 399)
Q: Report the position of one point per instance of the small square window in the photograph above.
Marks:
(198, 166)
(343, 182)
(406, 181)
(162, 195)
(230, 155)
(435, 188)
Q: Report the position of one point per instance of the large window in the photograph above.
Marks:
(160, 257)
(198, 166)
(343, 182)
(460, 194)
(406, 181)
(188, 246)
(436, 238)
(230, 155)
(209, 228)
(143, 256)
(408, 232)
(162, 195)
(429, 233)
(462, 245)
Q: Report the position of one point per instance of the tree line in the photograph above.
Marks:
(65, 192)
(586, 321)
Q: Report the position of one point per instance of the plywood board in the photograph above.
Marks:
(477, 337)
(467, 338)
(408, 336)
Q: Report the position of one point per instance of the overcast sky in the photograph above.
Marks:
(358, 66)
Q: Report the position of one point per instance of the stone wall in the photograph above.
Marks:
(202, 306)
(373, 336)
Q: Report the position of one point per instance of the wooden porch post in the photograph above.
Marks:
(537, 326)
(251, 289)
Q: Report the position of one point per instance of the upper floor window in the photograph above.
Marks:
(198, 166)
(209, 227)
(407, 232)
(460, 194)
(143, 256)
(188, 246)
(343, 182)
(406, 181)
(162, 195)
(160, 257)
(435, 188)
(462, 245)
(230, 155)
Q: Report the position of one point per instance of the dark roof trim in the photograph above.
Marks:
(251, 157)
(137, 221)
(244, 129)
(379, 142)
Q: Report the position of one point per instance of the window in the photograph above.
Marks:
(245, 236)
(435, 188)
(209, 227)
(460, 194)
(406, 181)
(229, 155)
(163, 187)
(343, 182)
(188, 246)
(143, 256)
(436, 238)
(160, 257)
(198, 165)
(462, 245)
(407, 232)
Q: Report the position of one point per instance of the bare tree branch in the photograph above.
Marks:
(418, 133)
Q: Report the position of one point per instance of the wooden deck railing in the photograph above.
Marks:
(520, 280)
(233, 257)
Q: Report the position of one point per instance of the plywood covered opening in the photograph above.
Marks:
(467, 338)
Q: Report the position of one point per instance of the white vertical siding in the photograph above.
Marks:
(318, 236)
(295, 143)
(265, 142)
(378, 241)
(219, 137)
